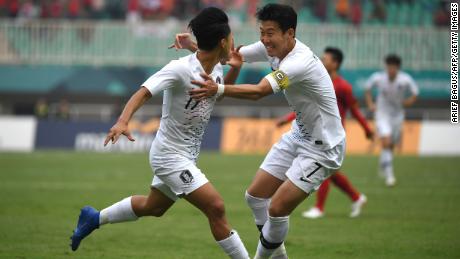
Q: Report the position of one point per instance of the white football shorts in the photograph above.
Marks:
(306, 166)
(389, 127)
(178, 181)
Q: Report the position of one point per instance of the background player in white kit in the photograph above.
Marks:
(313, 149)
(396, 90)
(177, 144)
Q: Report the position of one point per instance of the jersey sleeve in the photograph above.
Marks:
(413, 88)
(169, 76)
(348, 94)
(372, 81)
(290, 72)
(254, 52)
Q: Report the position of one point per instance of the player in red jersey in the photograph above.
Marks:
(332, 59)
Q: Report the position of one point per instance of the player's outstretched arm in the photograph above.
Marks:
(210, 88)
(121, 126)
(370, 103)
(354, 109)
(410, 101)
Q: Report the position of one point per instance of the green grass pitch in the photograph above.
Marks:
(41, 194)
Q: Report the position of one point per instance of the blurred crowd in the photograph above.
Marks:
(114, 9)
(348, 11)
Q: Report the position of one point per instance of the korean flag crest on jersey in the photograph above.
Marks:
(281, 78)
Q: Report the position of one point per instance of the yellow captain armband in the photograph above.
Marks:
(281, 78)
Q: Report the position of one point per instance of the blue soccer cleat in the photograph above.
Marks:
(88, 221)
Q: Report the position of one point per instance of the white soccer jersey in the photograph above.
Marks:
(309, 91)
(183, 119)
(391, 94)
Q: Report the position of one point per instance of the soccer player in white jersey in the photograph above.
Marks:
(312, 150)
(396, 90)
(176, 147)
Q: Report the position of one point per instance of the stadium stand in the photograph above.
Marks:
(377, 12)
(98, 52)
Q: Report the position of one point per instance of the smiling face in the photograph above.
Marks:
(276, 42)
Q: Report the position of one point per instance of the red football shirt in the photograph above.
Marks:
(345, 101)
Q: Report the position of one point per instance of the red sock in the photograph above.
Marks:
(322, 194)
(344, 184)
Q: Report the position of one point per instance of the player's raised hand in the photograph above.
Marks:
(120, 128)
(207, 88)
(235, 58)
(183, 41)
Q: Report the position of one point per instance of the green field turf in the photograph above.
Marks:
(41, 194)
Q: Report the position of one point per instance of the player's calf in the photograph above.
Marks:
(259, 207)
(208, 200)
(272, 236)
(143, 206)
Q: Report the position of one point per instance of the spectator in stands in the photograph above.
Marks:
(379, 11)
(186, 8)
(97, 10)
(155, 9)
(13, 8)
(133, 14)
(441, 16)
(116, 9)
(320, 9)
(342, 8)
(63, 110)
(356, 12)
(252, 9)
(52, 9)
(41, 109)
(3, 8)
(28, 10)
(74, 9)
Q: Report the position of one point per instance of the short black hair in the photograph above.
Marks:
(393, 59)
(209, 27)
(336, 53)
(284, 15)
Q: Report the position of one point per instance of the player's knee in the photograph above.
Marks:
(386, 142)
(277, 210)
(216, 209)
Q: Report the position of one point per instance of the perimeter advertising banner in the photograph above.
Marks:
(90, 136)
(231, 136)
(17, 133)
(250, 136)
